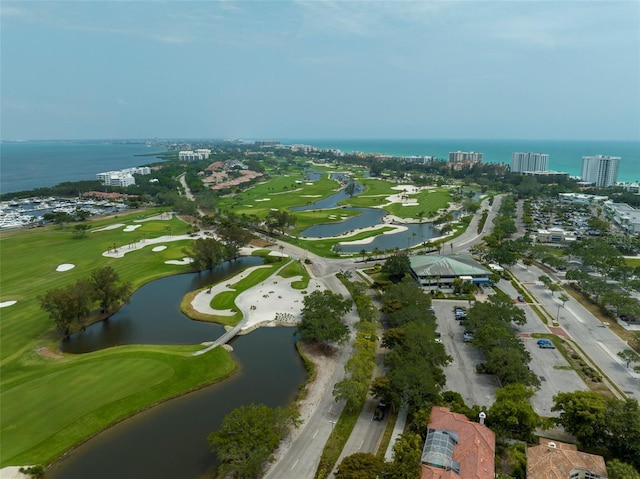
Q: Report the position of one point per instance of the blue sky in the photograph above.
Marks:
(340, 69)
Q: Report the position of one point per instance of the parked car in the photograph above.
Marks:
(521, 299)
(545, 344)
(467, 336)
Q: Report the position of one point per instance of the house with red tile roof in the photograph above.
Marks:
(456, 448)
(558, 460)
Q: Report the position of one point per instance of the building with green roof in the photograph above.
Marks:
(437, 272)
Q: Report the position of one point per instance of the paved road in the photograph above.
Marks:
(599, 342)
(301, 459)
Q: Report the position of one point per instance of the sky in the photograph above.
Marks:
(320, 69)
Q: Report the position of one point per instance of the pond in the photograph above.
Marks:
(153, 314)
(170, 439)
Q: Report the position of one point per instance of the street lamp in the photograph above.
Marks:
(333, 423)
(558, 313)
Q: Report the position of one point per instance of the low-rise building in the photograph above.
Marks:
(581, 198)
(555, 235)
(456, 448)
(438, 272)
(558, 460)
(625, 216)
(122, 177)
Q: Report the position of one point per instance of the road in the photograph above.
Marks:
(302, 457)
(596, 340)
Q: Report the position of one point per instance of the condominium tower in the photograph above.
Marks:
(529, 162)
(600, 170)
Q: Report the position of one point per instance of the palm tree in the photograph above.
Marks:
(363, 252)
(376, 252)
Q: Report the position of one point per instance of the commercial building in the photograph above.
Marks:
(560, 460)
(437, 272)
(521, 162)
(456, 448)
(602, 171)
(625, 216)
(465, 157)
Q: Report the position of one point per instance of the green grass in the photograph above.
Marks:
(428, 201)
(281, 192)
(49, 405)
(48, 409)
(633, 262)
(296, 268)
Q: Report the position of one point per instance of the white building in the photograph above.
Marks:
(600, 170)
(122, 177)
(521, 162)
(581, 198)
(625, 216)
(465, 157)
(190, 155)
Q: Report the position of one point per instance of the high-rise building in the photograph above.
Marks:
(529, 162)
(600, 170)
(465, 157)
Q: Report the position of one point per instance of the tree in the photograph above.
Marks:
(233, 236)
(68, 306)
(361, 465)
(207, 253)
(564, 298)
(322, 318)
(350, 188)
(622, 434)
(248, 436)
(81, 230)
(108, 289)
(406, 458)
(621, 470)
(545, 280)
(512, 412)
(396, 266)
(629, 356)
(582, 414)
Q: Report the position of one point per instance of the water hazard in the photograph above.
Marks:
(170, 440)
(153, 315)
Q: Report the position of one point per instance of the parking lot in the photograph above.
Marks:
(553, 370)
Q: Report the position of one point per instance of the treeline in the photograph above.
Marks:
(491, 323)
(416, 359)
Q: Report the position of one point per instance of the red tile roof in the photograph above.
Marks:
(556, 460)
(475, 450)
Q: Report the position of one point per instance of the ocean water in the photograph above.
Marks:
(32, 164)
(563, 155)
(26, 165)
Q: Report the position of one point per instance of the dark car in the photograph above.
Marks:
(521, 299)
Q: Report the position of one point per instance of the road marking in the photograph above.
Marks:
(295, 463)
(314, 436)
(361, 444)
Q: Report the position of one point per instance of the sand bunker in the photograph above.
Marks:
(158, 248)
(65, 267)
(110, 227)
(4, 304)
(130, 228)
(183, 261)
(263, 199)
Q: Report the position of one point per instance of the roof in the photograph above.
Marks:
(467, 447)
(556, 460)
(450, 265)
